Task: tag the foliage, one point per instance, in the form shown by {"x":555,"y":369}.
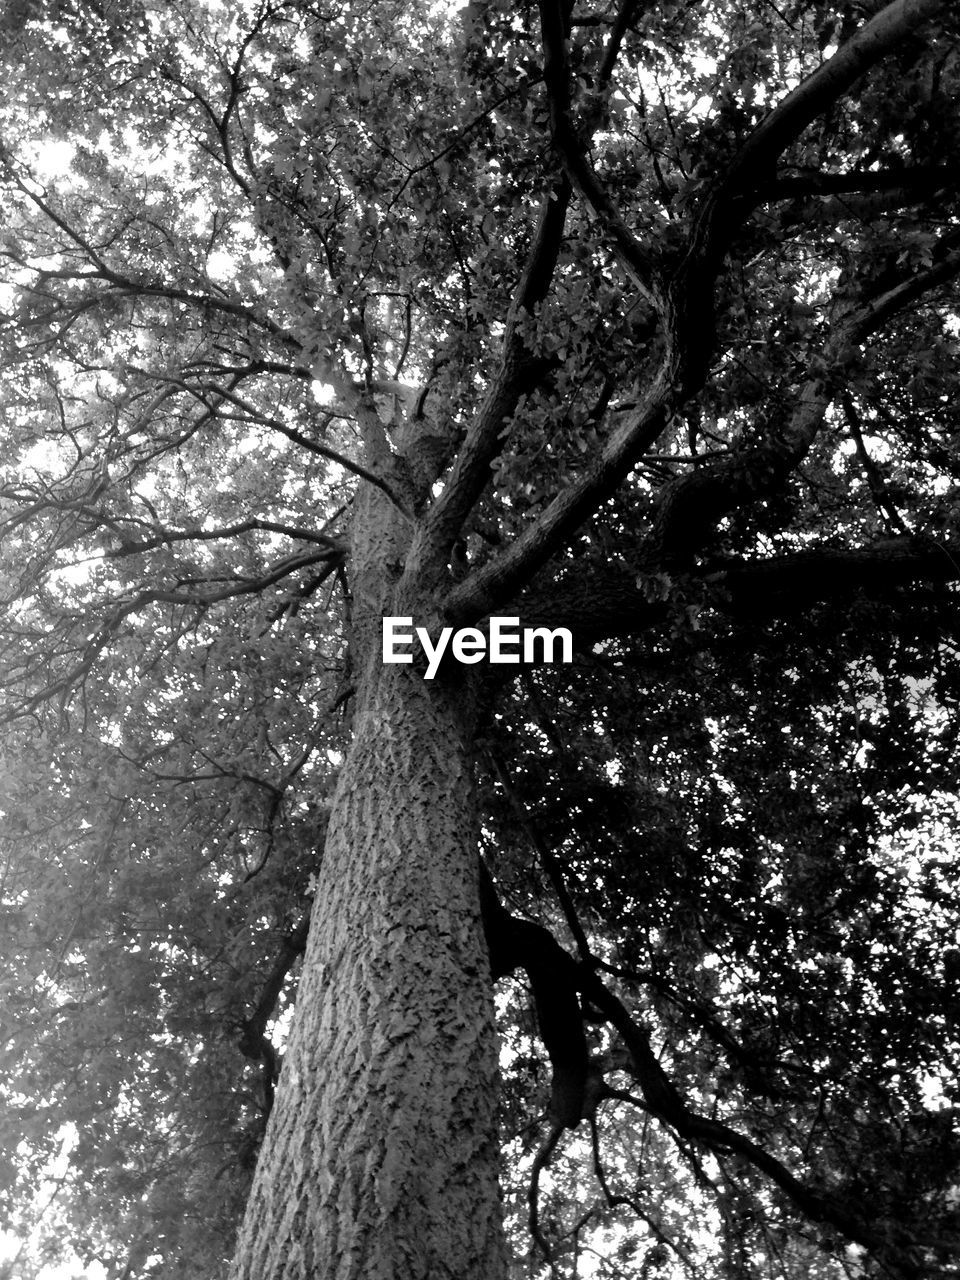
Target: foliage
{"x":681,"y":363}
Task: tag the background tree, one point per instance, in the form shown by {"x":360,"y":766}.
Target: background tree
{"x":638,"y":320}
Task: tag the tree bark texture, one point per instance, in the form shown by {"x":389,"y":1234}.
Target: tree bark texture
{"x":381,"y":1156}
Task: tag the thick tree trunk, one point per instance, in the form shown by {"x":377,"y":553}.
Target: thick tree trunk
{"x":380,"y":1159}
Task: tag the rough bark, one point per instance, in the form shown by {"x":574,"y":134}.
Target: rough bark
{"x":380,"y":1159}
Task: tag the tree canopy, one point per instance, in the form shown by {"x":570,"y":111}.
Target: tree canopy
{"x":639,"y":319}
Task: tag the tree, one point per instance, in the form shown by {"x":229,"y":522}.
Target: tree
{"x":636,"y":320}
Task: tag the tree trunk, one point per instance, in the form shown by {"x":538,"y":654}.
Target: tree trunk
{"x":380,"y":1159}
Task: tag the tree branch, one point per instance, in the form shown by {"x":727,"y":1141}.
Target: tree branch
{"x":610,"y":602}
{"x":470,"y":473}
{"x":554,"y":27}
{"x":687,"y":308}
{"x":515,"y":942}
{"x":665,"y":1102}
{"x":919,"y":180}
{"x":790,"y":582}
{"x":814,"y":95}
{"x":501,"y":578}
{"x":254,"y":1042}
{"x":93,"y":645}
{"x":691,"y":506}
{"x":314,"y":446}
{"x":741,"y":187}
{"x":169,"y":536}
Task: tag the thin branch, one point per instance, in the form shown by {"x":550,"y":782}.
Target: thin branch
{"x":547,"y":859}
{"x":122,"y":284}
{"x":541,"y":1160}
{"x":945,"y":267}
{"x":314,"y":446}
{"x":170,"y":536}
{"x":665,"y":1101}
{"x":471,"y":470}
{"x":570,"y":144}
{"x":691,"y":506}
{"x":613,"y":1200}
{"x":878,"y":488}
{"x":123,"y":608}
